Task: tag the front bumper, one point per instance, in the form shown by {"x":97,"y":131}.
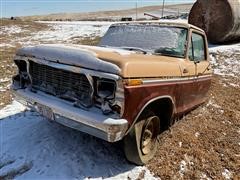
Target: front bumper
{"x":92,"y":122}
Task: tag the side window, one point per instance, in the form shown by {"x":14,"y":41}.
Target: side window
{"x":197,"y":48}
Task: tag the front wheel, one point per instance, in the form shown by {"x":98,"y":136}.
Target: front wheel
{"x":140,"y":144}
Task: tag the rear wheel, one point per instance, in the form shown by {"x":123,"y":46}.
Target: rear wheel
{"x":140,"y":144}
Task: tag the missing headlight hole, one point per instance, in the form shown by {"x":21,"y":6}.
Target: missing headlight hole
{"x":106,"y":88}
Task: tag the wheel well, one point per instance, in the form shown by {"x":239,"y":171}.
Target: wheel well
{"x":163,"y":108}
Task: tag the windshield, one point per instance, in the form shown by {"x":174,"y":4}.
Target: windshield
{"x":163,"y":40}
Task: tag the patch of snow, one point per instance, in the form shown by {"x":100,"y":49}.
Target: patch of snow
{"x":184,"y":164}
{"x":58,"y":32}
{"x":2,"y":89}
{"x":66,"y":31}
{"x":111,"y":49}
{"x":6,"y":45}
{"x":221,"y":111}
{"x":13,"y":29}
{"x":36,"y":148}
{"x":197,"y":134}
{"x":11,"y":109}
{"x":213,"y":59}
{"x":3,"y":80}
{"x":220,"y":48}
{"x":180,"y":144}
{"x":226,"y":174}
{"x":70,"y":55}
{"x":204,"y":177}
{"x":229,"y":122}
{"x":234,"y":85}
{"x":182,"y":167}
{"x":134,"y":174}
{"x":210,"y":103}
{"x":5,"y":88}
{"x":225,"y":60}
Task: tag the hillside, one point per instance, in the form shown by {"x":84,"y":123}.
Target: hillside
{"x":114,"y":14}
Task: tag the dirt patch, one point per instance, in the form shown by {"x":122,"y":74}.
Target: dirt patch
{"x":7,"y":70}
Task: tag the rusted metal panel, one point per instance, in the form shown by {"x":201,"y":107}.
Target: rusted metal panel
{"x":219,"y":18}
{"x":185,"y":95}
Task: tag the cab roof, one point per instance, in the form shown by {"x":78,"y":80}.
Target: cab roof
{"x":161,"y":23}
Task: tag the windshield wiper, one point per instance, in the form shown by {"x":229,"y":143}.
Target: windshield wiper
{"x":135,"y":49}
{"x":165,"y":54}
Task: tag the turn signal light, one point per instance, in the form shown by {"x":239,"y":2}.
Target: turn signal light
{"x":134,"y":82}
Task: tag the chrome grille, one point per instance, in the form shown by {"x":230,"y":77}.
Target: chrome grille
{"x":67,"y":85}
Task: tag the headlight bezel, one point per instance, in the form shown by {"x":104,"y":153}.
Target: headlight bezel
{"x":115,"y":100}
{"x":106,"y":88}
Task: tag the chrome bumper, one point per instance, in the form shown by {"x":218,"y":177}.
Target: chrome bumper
{"x":92,"y":122}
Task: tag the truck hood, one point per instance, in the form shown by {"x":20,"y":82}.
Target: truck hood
{"x":111,"y":60}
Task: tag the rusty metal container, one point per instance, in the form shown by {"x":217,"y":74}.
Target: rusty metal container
{"x":219,"y":18}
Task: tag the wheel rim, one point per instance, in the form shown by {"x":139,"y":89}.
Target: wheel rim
{"x":149,"y":135}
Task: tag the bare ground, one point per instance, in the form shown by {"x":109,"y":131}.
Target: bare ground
{"x":204,"y":144}
{"x":7,"y":69}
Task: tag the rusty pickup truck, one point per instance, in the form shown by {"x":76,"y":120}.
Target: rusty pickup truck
{"x":130,"y":87}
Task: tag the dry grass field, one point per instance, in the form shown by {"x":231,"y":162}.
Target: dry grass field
{"x":7,"y":68}
{"x":204,"y":144}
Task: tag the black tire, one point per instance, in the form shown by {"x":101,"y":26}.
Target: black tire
{"x":140,"y":144}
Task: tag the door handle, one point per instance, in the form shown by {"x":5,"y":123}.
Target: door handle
{"x":185,"y":70}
